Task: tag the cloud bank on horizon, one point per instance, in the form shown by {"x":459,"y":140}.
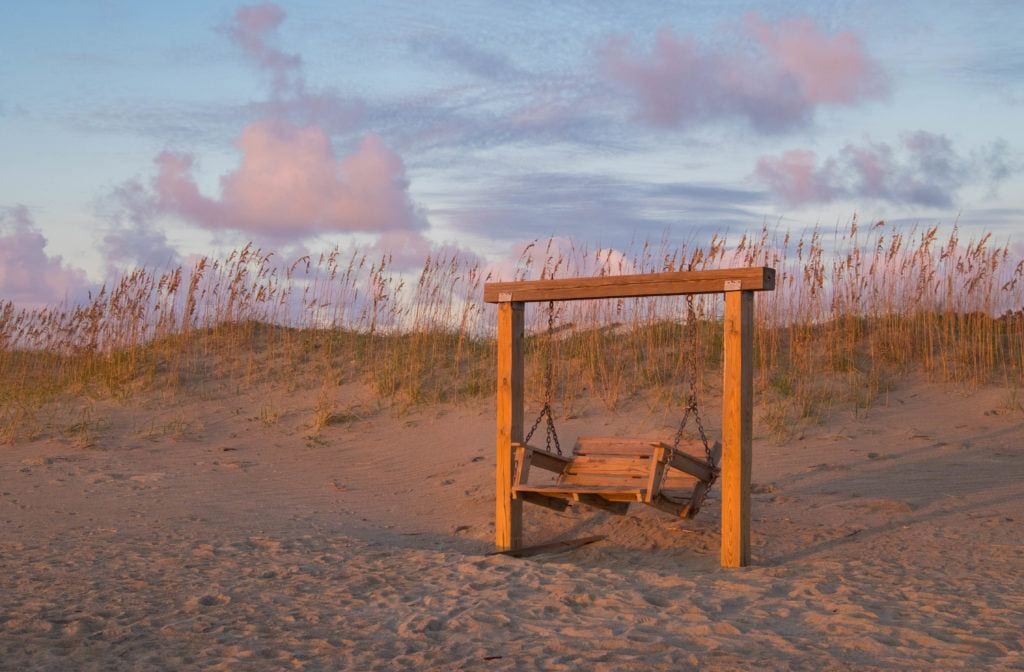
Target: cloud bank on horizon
{"x":438,"y":132}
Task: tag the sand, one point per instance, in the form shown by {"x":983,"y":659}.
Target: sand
{"x":217,"y":534}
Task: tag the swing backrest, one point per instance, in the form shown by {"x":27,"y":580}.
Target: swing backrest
{"x":617,"y":461}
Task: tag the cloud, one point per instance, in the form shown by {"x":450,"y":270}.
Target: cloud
{"x":251,"y":28}
{"x":290,"y":184}
{"x":29,"y":277}
{"x":922,"y":169}
{"x":132,"y":238}
{"x":454,"y":50}
{"x":610,"y":210}
{"x":775,"y":80}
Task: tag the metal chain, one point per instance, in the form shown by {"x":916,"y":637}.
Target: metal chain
{"x":549,"y":384}
{"x":691,"y":402}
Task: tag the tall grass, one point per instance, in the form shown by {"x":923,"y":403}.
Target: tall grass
{"x":855,"y":308}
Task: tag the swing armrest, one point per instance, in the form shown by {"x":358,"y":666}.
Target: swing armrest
{"x":659,"y":460}
{"x":540,"y":458}
{"x":691,"y":465}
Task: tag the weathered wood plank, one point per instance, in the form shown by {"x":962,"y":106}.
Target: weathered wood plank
{"x":678,"y":480}
{"x":696,"y":467}
{"x":737,"y":427}
{"x":545,"y":460}
{"x":508,"y":511}
{"x":622,"y":286}
{"x":614,"y":445}
{"x":568,"y":488}
{"x":523,"y":458}
{"x":697,"y":498}
{"x":657,"y":475}
{"x":609,"y":480}
{"x":609,"y":463}
{"x":550,"y":547}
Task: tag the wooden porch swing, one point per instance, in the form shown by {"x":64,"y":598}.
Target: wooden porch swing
{"x":611,"y":472}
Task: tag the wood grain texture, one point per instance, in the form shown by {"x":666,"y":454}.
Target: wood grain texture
{"x":508,"y":511}
{"x":542,"y":459}
{"x":760,"y":278}
{"x":737,"y":427}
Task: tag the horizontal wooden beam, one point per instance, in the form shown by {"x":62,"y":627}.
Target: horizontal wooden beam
{"x":759,"y":278}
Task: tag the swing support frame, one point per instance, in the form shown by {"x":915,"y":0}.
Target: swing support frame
{"x":738,"y":285}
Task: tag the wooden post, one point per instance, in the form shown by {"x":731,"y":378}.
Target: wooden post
{"x":737,"y":427}
{"x":508,"y":512}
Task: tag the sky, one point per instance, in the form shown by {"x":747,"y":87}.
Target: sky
{"x":143,"y":133}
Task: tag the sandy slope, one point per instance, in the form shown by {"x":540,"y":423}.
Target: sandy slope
{"x":216,"y":535}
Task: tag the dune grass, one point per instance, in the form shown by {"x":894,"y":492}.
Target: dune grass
{"x":855,"y":309}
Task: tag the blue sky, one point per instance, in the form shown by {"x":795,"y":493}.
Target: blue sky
{"x":146,"y":132}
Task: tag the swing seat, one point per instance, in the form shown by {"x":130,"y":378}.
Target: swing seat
{"x":613,"y":472}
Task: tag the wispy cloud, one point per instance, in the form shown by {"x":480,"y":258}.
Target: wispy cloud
{"x":252,"y":29}
{"x":456,"y":51}
{"x":774,"y":80}
{"x":599,"y":208}
{"x":921,"y":169}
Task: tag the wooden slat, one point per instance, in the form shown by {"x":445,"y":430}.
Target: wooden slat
{"x":658,"y":463}
{"x":697,"y":498}
{"x":737,"y":427}
{"x":609,"y":464}
{"x":570,"y":490}
{"x":523,"y":458}
{"x":614,"y":445}
{"x":553,"y":503}
{"x":545,"y":460}
{"x":508,"y":512}
{"x":610,"y":480}
{"x":621,"y":286}
{"x":551,"y":547}
{"x":678,"y":480}
{"x":696,"y":467}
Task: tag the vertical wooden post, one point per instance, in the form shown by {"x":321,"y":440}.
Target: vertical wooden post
{"x":737,"y":427}
{"x":508,"y":512}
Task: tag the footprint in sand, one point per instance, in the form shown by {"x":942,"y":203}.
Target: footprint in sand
{"x":207,"y":601}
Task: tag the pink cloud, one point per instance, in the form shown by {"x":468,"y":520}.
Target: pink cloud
{"x":829,"y":69}
{"x":405,"y":249}
{"x":252,"y":28}
{"x":921,"y":169}
{"x":290,"y":183}
{"x":29,"y":277}
{"x":776,"y":81}
{"x":795,"y":177}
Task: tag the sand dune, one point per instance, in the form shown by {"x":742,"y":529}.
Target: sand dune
{"x":208,"y":537}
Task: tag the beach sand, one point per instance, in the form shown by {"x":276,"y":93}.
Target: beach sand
{"x":219,"y":534}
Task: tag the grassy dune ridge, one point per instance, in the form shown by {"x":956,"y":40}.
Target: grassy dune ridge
{"x":855,"y":308}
